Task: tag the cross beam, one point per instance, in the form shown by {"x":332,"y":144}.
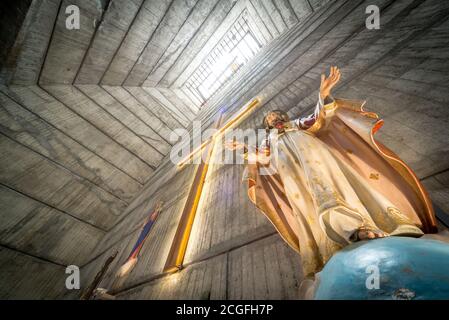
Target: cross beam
{"x":178,"y":248}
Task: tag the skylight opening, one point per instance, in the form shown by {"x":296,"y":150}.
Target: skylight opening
{"x":233,"y":51}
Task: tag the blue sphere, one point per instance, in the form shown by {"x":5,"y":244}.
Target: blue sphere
{"x":389,"y":268}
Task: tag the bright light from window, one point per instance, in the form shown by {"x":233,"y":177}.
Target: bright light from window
{"x":233,"y":51}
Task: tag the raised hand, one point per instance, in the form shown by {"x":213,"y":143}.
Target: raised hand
{"x":328,"y":83}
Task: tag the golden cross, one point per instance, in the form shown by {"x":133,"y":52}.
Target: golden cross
{"x":178,"y":248}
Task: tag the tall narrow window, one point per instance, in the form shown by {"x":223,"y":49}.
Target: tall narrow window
{"x":234,"y":50}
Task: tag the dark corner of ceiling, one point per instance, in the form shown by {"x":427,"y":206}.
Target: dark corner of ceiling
{"x":12,"y":15}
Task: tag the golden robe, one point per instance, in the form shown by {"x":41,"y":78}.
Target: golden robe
{"x":333,"y":177}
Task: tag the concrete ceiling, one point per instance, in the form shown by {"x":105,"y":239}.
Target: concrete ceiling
{"x":85,"y":118}
{"x":87,"y":114}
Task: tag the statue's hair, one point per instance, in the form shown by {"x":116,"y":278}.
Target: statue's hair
{"x":280,"y":113}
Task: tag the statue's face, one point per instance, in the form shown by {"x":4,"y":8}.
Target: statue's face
{"x":275,"y":120}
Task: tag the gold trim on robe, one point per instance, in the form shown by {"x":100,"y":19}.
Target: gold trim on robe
{"x":347,"y":131}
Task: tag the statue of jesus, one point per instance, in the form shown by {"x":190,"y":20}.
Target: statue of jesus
{"x":334,"y":184}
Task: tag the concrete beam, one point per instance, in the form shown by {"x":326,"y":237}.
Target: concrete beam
{"x":107,"y":40}
{"x":33,"y":175}
{"x":30,"y":226}
{"x":140,"y":32}
{"x":68,"y":47}
{"x":24,"y":126}
{"x":179,"y":43}
{"x":24,"y":65}
{"x":165,"y":103}
{"x":107,"y":123}
{"x":170,"y":25}
{"x":81,"y":130}
{"x":26,"y":277}
{"x":144,"y":110}
{"x":127,"y":118}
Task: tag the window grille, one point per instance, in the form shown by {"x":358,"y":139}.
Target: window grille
{"x":234,"y":50}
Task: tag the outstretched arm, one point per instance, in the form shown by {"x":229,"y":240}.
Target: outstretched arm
{"x":252,"y":154}
{"x":324,"y":98}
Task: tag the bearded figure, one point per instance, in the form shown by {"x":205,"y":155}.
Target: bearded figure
{"x":324,"y":181}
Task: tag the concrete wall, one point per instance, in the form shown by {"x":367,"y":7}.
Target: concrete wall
{"x":233,"y":251}
{"x":84,"y":145}
{"x":86,"y":117}
{"x":11,"y":19}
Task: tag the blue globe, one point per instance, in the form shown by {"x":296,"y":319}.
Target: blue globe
{"x":388,"y":268}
